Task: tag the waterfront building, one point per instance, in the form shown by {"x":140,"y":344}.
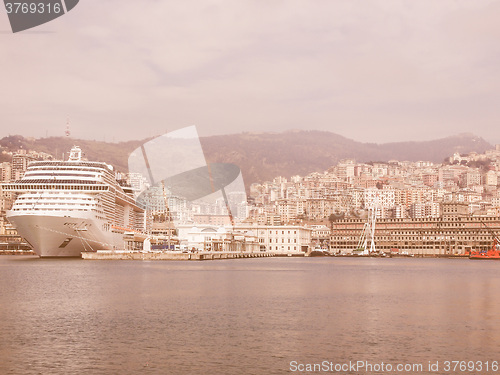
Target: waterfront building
{"x":212,"y":238}
{"x":320,"y":236}
{"x":453,"y":233}
{"x":10,"y":240}
{"x":292,"y":239}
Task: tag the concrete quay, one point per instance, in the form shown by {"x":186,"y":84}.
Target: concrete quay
{"x":170,"y":255}
{"x":17,"y":252}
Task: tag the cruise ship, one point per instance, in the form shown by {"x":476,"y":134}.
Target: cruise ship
{"x":66,"y":207}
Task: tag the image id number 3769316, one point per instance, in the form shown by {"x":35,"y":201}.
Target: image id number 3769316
{"x":33,"y":7}
{"x":470,"y":366}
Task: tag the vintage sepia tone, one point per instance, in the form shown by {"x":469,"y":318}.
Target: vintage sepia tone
{"x":249,"y":187}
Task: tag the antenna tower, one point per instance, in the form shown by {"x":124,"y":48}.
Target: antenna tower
{"x":67,"y":132}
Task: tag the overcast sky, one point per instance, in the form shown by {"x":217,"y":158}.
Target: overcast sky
{"x":375,"y":71}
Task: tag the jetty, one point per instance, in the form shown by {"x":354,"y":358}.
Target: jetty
{"x":171,"y":255}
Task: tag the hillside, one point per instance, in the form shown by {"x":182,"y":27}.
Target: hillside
{"x":267,"y":155}
{"x":264,"y":156}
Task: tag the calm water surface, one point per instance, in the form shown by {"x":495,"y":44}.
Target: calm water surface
{"x":246,"y":316}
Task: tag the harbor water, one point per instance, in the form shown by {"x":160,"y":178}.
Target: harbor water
{"x":244,"y":316}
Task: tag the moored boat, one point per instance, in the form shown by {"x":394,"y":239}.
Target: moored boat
{"x":66,"y":207}
{"x":493,"y":253}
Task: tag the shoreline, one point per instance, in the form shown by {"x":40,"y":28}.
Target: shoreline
{"x":201,"y":256}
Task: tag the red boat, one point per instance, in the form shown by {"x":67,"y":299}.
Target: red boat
{"x":493,"y":253}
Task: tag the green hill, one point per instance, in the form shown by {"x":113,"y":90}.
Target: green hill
{"x":264,"y":156}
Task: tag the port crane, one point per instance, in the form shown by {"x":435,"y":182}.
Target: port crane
{"x":493,"y":234}
{"x":167,"y":214}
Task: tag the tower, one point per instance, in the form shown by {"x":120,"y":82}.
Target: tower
{"x":67,"y":132}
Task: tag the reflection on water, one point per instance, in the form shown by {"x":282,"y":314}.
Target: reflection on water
{"x":248,"y":316}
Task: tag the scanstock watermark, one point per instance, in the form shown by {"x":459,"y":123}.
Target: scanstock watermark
{"x":26,"y":14}
{"x":359,"y":367}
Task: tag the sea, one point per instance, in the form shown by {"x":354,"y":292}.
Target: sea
{"x":249,"y":316}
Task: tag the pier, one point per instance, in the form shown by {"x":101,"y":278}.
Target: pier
{"x":170,"y":255}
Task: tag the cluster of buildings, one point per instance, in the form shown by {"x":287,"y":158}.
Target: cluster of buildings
{"x":398,"y":189}
{"x":420,"y":208}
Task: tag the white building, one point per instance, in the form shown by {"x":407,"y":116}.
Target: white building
{"x":491,"y":178}
{"x":380,"y":198}
{"x":280,"y":238}
{"x":211,"y":238}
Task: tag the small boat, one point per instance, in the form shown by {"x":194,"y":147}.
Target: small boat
{"x":319,"y":252}
{"x":492,"y":253}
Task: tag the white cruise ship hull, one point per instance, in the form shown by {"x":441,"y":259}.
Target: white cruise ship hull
{"x":63,"y":208}
{"x":64,"y":236}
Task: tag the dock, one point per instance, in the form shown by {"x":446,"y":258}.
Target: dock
{"x":170,"y":255}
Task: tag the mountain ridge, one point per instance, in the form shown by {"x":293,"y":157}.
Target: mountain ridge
{"x":263,"y":156}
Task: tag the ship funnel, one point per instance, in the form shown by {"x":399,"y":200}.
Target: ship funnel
{"x":75,"y":154}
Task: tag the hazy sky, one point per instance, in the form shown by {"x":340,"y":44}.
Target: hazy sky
{"x":369,"y":70}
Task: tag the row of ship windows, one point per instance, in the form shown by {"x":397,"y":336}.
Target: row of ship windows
{"x":35,"y":197}
{"x":62,"y":193}
{"x":62,"y":165}
{"x":47,"y":209}
{"x":53,"y":204}
{"x":48,"y":175}
{"x":35,"y":188}
{"x":38,"y":167}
